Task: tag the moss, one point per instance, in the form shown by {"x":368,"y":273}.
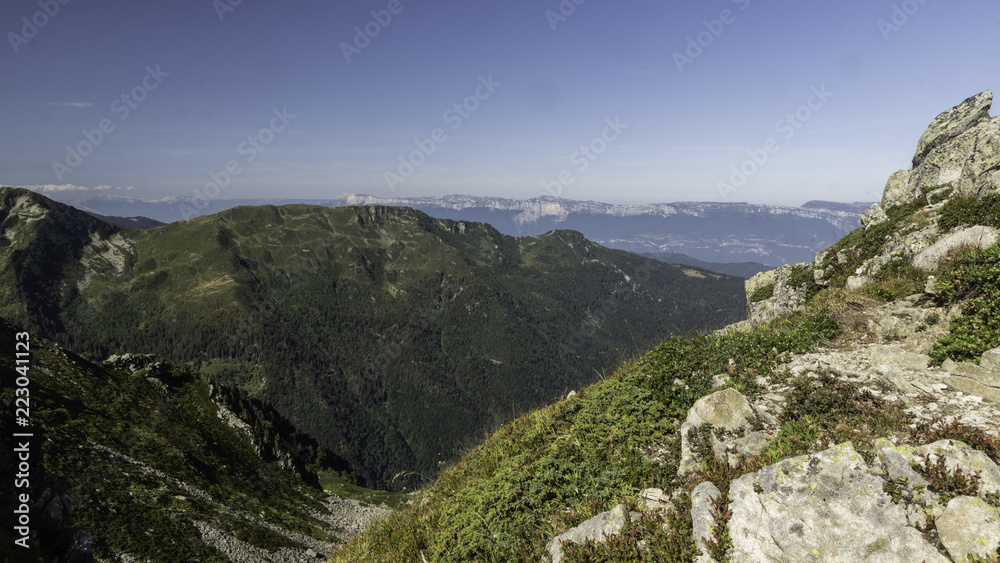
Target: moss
{"x":762,"y":293}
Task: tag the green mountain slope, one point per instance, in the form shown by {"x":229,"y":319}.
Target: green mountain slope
{"x":859,"y":357}
{"x":391,"y":337}
{"x":142,"y":461}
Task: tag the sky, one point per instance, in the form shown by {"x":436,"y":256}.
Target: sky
{"x":625,"y":101}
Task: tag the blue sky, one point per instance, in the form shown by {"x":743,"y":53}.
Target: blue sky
{"x":601,"y":100}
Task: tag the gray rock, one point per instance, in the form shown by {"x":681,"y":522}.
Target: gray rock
{"x":785,"y":297}
{"x":822,"y":507}
{"x":727,"y":409}
{"x":954,"y":122}
{"x":957,"y":455}
{"x":701,"y":513}
{"x":873,"y":216}
{"x":898,"y":190}
{"x":655,"y":500}
{"x":892,"y":356}
{"x":895,"y":377}
{"x":990,"y":360}
{"x":969,"y":526}
{"x":857,"y":282}
{"x":932,"y":257}
{"x":930,"y":288}
{"x":965,"y":369}
{"x":974,"y":387}
{"x":597,"y":529}
{"x":897,"y":460}
{"x":752,"y":445}
{"x":689,"y":462}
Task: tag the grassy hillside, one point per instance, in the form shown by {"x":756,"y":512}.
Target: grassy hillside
{"x":391,"y":337}
{"x":559,"y":465}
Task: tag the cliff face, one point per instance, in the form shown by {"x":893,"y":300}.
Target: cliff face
{"x":854,"y":417}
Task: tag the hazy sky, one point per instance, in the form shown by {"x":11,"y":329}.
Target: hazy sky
{"x":617,"y":101}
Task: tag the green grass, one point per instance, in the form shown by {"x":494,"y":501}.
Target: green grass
{"x":972,"y":278}
{"x":762,"y":293}
{"x":971,"y":211}
{"x":334,"y":483}
{"x":557,"y":466}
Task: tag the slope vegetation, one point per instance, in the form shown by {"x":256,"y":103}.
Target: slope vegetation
{"x":140,"y":457}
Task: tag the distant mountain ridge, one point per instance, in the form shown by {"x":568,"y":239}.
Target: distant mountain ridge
{"x":711,"y":231}
{"x":708,"y":231}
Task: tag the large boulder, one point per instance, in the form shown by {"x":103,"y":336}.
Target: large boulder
{"x":821,"y":507}
{"x":952,"y":123}
{"x":960,"y":148}
{"x":969,"y":526}
{"x":932,"y":258}
{"x":727,"y":409}
{"x":898,"y":190}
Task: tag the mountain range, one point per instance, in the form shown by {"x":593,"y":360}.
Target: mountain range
{"x":710,"y":232}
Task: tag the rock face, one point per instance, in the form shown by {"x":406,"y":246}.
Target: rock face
{"x":784,"y":297}
{"x":823,"y":507}
{"x":961,"y":147}
{"x":969,"y":526}
{"x":953,"y":123}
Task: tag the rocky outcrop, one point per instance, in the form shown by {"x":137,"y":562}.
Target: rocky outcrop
{"x":961,"y":147}
{"x":828,"y":506}
{"x":953,"y":123}
{"x":772,"y":295}
{"x":722,"y":412}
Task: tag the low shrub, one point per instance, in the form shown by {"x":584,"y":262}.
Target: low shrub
{"x":975,"y":278}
